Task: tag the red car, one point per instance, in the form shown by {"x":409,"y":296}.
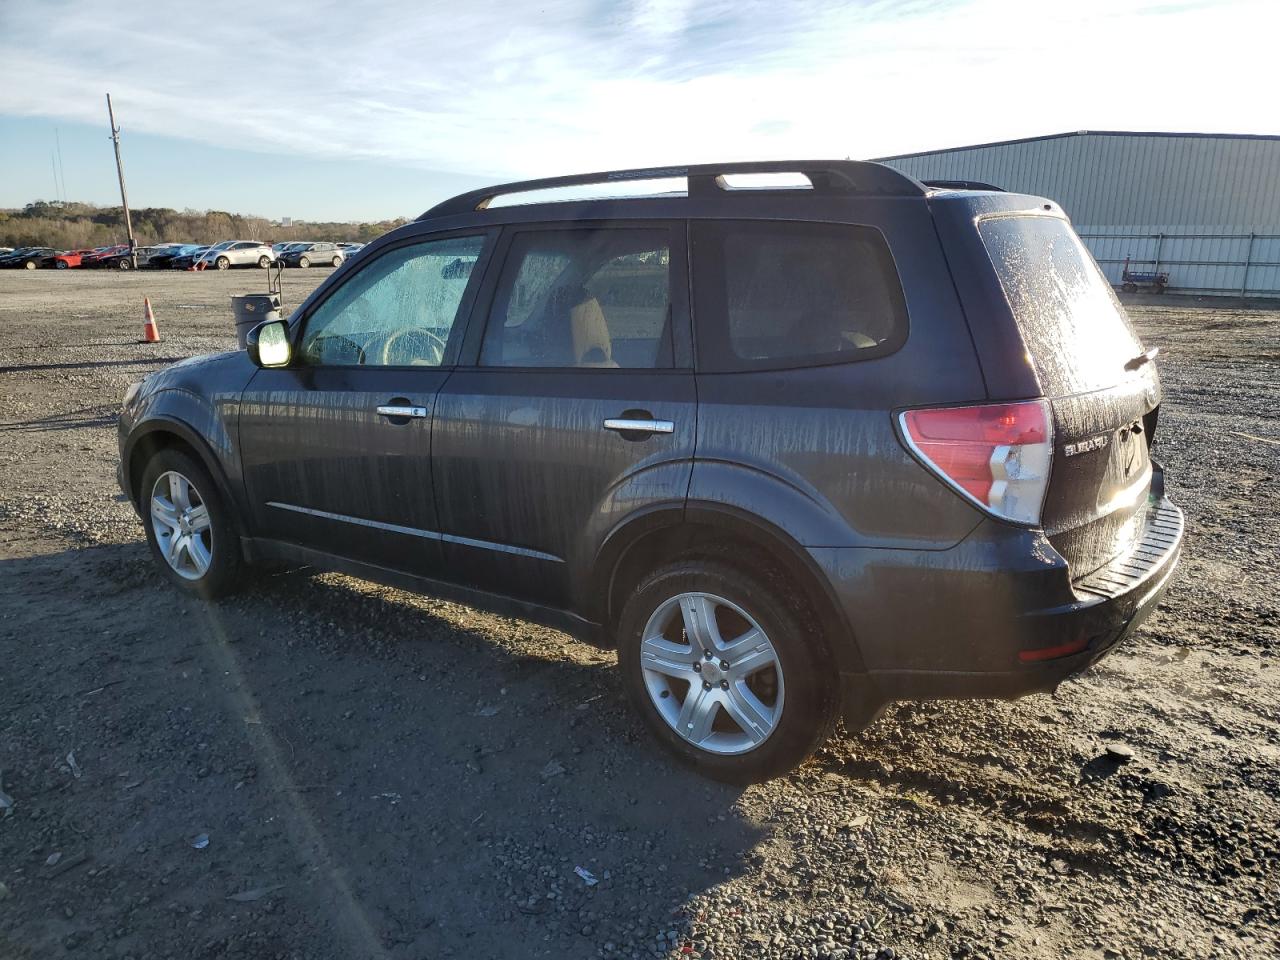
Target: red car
{"x":68,"y":259}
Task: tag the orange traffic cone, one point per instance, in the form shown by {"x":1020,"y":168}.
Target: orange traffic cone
{"x":150,"y":332}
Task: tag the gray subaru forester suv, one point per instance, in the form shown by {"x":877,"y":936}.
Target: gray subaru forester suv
{"x":798,"y":439}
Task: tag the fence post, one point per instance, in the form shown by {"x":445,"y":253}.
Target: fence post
{"x":1248,"y":259}
{"x":1159,"y":247}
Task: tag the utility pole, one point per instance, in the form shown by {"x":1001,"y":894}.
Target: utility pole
{"x":124,"y":197}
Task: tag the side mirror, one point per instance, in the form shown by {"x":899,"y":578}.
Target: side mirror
{"x":268,"y":344}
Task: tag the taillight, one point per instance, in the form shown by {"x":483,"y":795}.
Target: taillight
{"x":997,"y":455}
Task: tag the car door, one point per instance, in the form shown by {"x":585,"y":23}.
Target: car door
{"x":337,"y":446}
{"x":575,"y":408}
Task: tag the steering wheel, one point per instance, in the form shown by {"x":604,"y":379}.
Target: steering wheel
{"x":427,"y":348}
{"x":318,"y":351}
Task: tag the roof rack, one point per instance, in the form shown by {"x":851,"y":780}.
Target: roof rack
{"x":828,"y":177}
{"x":961,"y":185}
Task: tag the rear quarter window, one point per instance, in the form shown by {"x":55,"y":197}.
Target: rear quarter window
{"x":778,"y":295}
{"x":1077,"y":335}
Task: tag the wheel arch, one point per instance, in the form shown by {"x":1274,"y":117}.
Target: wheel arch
{"x":731,"y":536}
{"x":162,"y":432}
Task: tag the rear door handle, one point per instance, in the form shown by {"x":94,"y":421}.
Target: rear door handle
{"x":396,"y":410}
{"x":627,"y":425}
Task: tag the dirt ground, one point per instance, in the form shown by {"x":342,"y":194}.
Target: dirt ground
{"x":323,"y":768}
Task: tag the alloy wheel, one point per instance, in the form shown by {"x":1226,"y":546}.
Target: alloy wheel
{"x":180,"y":522}
{"x":712,"y":673}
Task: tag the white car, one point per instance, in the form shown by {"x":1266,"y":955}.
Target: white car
{"x":239,"y":253}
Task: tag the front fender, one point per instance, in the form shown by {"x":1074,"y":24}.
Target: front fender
{"x":197,"y":401}
{"x":216,"y":456}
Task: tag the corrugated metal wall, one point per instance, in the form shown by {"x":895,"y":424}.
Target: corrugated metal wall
{"x":1204,"y":209}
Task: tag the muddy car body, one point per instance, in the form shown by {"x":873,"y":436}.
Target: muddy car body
{"x":797,"y":451}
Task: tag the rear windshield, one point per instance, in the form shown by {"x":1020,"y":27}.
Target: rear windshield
{"x":1075,"y":330}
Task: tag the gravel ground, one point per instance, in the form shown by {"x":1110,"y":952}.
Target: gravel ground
{"x":324,"y":768}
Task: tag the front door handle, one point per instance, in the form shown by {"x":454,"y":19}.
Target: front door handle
{"x":637,"y":425}
{"x":396,"y":410}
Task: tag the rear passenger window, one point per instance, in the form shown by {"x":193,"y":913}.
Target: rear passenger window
{"x":773,"y":295}
{"x":583,"y":298}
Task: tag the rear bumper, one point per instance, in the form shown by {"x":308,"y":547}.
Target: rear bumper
{"x":997,"y":616}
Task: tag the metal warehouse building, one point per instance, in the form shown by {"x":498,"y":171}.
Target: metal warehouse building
{"x":1204,"y":208}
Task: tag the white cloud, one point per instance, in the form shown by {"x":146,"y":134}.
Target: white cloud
{"x":565,"y":85}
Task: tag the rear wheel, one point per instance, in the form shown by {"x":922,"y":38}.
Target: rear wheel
{"x":189,"y":528}
{"x":727,"y":674}
{"x":304,"y":262}
{"x":62,"y":264}
{"x":222,"y":263}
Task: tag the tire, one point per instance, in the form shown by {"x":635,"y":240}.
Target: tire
{"x":304,"y":262}
{"x":61,"y":264}
{"x":222,"y":263}
{"x":29,"y":265}
{"x":337,"y":262}
{"x":221,"y":571}
{"x":794,"y":697}
{"x":124,"y":264}
{"x":264,"y":262}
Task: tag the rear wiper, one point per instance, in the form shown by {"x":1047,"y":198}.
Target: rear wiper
{"x":1142,"y":358}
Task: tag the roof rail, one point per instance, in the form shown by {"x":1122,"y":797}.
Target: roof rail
{"x":961,"y":185}
{"x":828,"y":177}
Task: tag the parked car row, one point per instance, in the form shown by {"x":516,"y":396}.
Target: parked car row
{"x":184,"y":256}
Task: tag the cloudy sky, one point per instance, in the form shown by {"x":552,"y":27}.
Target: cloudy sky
{"x":364,"y":110}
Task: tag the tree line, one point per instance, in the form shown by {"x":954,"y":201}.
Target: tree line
{"x":67,"y":225}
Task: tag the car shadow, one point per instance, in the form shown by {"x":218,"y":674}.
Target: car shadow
{"x":100,"y":416}
{"x":90,"y":364}
{"x":401,"y":776}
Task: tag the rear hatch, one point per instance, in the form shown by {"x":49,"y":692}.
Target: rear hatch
{"x":1102,"y":387}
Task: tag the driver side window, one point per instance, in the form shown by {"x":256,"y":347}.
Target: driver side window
{"x":397,"y":311}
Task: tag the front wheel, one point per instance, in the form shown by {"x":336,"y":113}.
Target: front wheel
{"x":62,"y":265}
{"x":304,"y":262}
{"x":125,"y":264}
{"x":222,"y":263}
{"x":189,"y":528}
{"x":30,"y":265}
{"x":730,"y":676}
{"x":337,"y":262}
{"x":264,"y":262}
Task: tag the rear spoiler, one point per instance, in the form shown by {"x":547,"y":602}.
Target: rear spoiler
{"x":961,"y":185}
